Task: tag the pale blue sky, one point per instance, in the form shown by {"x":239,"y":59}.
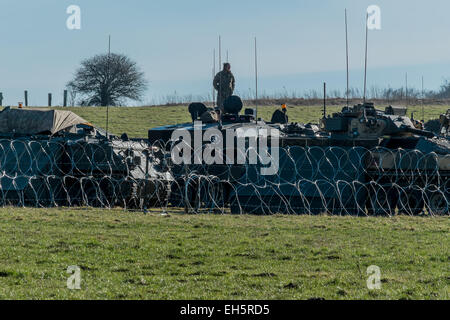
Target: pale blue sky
{"x":301,"y":43}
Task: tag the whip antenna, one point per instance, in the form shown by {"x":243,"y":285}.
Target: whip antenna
{"x":107,"y":98}
{"x":220,"y":53}
{"x":423,"y":108}
{"x":324,"y":100}
{"x":256,"y":82}
{"x":220,"y":68}
{"x":365,"y":63}
{"x":214,"y":75}
{"x":406,"y":87}
{"x":346,"y":54}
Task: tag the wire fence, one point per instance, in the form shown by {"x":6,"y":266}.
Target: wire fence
{"x":309,"y":180}
{"x":334,"y":180}
{"x":78,"y":173}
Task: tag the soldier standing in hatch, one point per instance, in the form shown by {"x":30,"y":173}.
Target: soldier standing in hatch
{"x":224,"y":84}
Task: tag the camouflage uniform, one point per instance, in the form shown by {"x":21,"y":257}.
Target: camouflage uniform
{"x":224,"y":84}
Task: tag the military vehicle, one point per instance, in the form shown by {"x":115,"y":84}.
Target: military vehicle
{"x":198,"y":185}
{"x":358,"y":161}
{"x":401,"y":167}
{"x":56,"y":158}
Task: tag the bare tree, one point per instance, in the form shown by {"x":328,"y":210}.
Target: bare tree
{"x":108,"y":79}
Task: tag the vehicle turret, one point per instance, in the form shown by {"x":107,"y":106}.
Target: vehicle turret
{"x":364,"y":122}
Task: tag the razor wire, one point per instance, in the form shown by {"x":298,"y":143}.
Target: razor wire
{"x":309,"y":180}
{"x":45,"y":173}
{"x":317,"y":180}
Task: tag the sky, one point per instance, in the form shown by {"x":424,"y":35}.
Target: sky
{"x":301,"y":44}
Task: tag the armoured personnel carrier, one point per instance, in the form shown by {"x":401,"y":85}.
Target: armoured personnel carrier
{"x":358,"y":161}
{"x":399,"y":168}
{"x":56,"y":158}
{"x":200,"y":185}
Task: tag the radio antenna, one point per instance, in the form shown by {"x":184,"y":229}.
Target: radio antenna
{"x":346,"y":54}
{"x":256,"y":82}
{"x":214,"y":75}
{"x":220,"y":53}
{"x":107,"y":99}
{"x":423,"y":108}
{"x":220,"y":68}
{"x":324,"y":100}
{"x":406,"y":88}
{"x":365,"y":62}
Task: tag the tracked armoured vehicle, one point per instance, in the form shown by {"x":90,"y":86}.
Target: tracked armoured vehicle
{"x":358,"y":161}
{"x":396,"y":166}
{"x":214,"y":185}
{"x":56,"y":158}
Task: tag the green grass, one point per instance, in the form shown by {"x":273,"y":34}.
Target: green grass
{"x":129,"y":255}
{"x":137,"y":120}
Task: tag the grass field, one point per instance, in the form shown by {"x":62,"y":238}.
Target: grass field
{"x":129,"y":255}
{"x":137,"y":120}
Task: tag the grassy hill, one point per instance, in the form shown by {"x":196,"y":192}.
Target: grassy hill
{"x":137,"y":120}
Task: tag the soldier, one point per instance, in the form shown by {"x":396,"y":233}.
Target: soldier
{"x":224,"y":84}
{"x":445,"y":123}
